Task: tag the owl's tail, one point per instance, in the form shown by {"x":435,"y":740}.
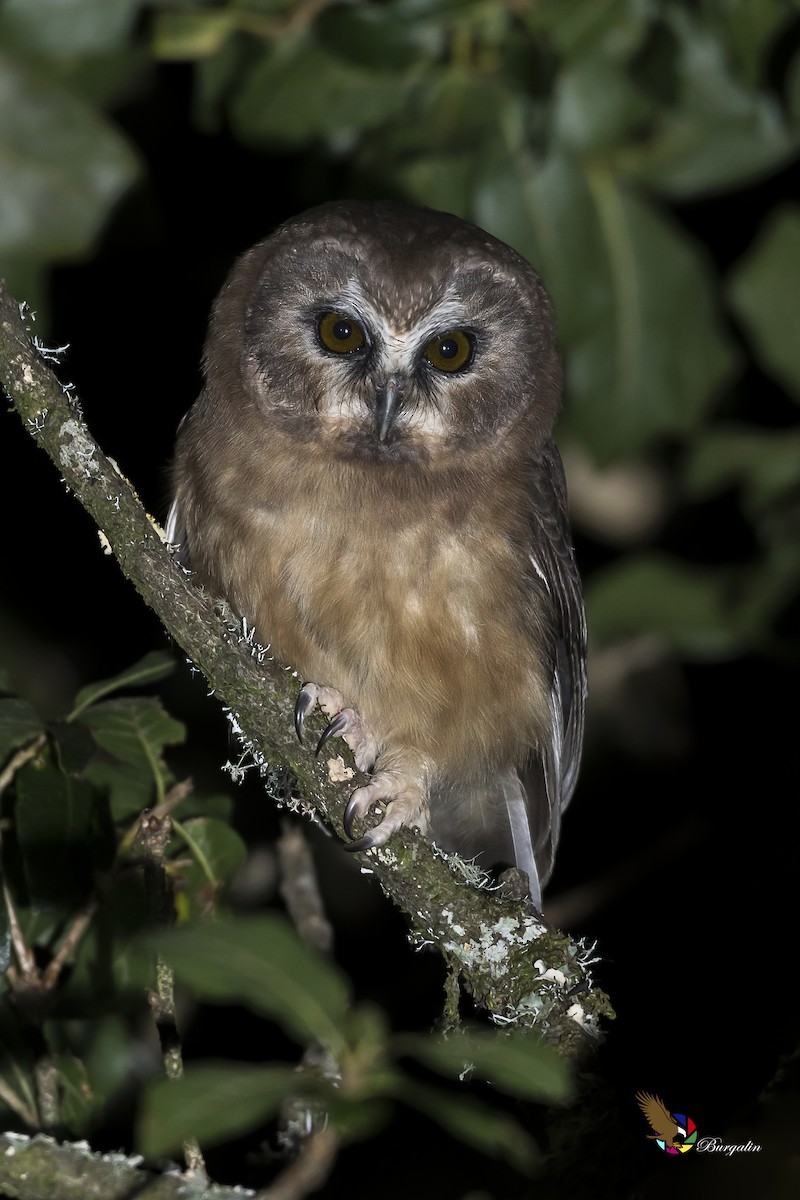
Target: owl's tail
{"x":497,"y":822}
{"x":516,"y":800}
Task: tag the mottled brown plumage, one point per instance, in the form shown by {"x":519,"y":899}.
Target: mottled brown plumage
{"x":368,"y":477}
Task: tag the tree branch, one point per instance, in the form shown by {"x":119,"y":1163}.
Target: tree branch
{"x":507,"y":958}
{"x":39,"y":1168}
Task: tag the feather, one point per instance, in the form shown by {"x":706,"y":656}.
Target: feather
{"x":554,"y":568}
{"x":516,"y":801}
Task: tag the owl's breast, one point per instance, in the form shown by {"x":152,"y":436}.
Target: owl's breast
{"x":425,"y":622}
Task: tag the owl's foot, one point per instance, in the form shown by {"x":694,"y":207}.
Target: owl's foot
{"x":345,"y":722}
{"x":406,"y":801}
{"x":401,"y":790}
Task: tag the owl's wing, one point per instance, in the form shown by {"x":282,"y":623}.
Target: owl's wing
{"x":553,"y":563}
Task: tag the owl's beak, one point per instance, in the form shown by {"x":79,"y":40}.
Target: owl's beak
{"x":387,"y":405}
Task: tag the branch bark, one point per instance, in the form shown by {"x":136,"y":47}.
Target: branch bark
{"x":39,"y":1168}
{"x":507,"y":958}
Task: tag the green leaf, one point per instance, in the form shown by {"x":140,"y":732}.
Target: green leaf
{"x":356,"y":1120}
{"x":451,"y":112}
{"x":110,"y":1055}
{"x":63,"y":166}
{"x":214,"y":852}
{"x":628,"y":289}
{"x":221,"y":847}
{"x":19,"y":724}
{"x":687,"y":606}
{"x":199,"y":804}
{"x":763,"y":292}
{"x":129,"y":790}
{"x":212,"y":1102}
{"x":106,"y":81}
{"x":765,"y":464}
{"x":186,"y":36}
{"x":749,"y":29}
{"x":442,"y":181}
{"x":793,"y":90}
{"x":719,"y":132}
{"x":380,"y":38}
{"x":77,"y":1101}
{"x":476,"y":1124}
{"x":67,"y":28}
{"x":770,"y":588}
{"x":64,"y":833}
{"x":134,"y":732}
{"x":597,"y":107}
{"x":626,"y":383}
{"x":261,"y":962}
{"x":516,"y":1063}
{"x":585,"y":27}
{"x":300,"y":92}
{"x":112,"y":959}
{"x":5,"y":941}
{"x":155,"y":665}
{"x":74,"y":746}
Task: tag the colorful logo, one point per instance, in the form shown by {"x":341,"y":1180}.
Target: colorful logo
{"x":674,"y":1133}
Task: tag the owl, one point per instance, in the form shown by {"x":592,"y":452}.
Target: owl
{"x":368,"y":477}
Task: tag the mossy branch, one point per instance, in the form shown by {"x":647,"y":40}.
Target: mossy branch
{"x":39,"y":1168}
{"x":506,"y":957}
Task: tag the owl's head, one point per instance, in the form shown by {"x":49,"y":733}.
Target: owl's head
{"x":393,"y":332}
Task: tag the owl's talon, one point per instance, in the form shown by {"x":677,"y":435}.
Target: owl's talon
{"x":344,"y":722}
{"x":364,"y":843}
{"x":403,"y":798}
{"x":350,"y":814}
{"x":334,"y":728}
{"x":303,"y":706}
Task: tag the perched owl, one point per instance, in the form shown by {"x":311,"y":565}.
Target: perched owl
{"x":368,"y":477}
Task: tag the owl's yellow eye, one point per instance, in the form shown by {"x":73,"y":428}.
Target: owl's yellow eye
{"x":340,"y":334}
{"x":451,"y":351}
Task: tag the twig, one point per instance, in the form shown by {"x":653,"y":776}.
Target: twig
{"x":153,"y":839}
{"x":301,"y":1123}
{"x":77,"y":929}
{"x":46,"y":1075}
{"x":27,"y":974}
{"x":309,"y":1170}
{"x":175,"y":796}
{"x":300,"y":889}
{"x":19,"y":760}
{"x":18,"y":1105}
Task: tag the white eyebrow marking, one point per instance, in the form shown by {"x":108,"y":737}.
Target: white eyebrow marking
{"x":441,"y":314}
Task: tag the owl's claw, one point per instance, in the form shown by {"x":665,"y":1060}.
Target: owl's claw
{"x":350,"y":813}
{"x":344,"y":722}
{"x":303,"y":706}
{"x":406,"y":802}
{"x":334,"y":728}
{"x":364,"y":843}
{"x":400,"y":787}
